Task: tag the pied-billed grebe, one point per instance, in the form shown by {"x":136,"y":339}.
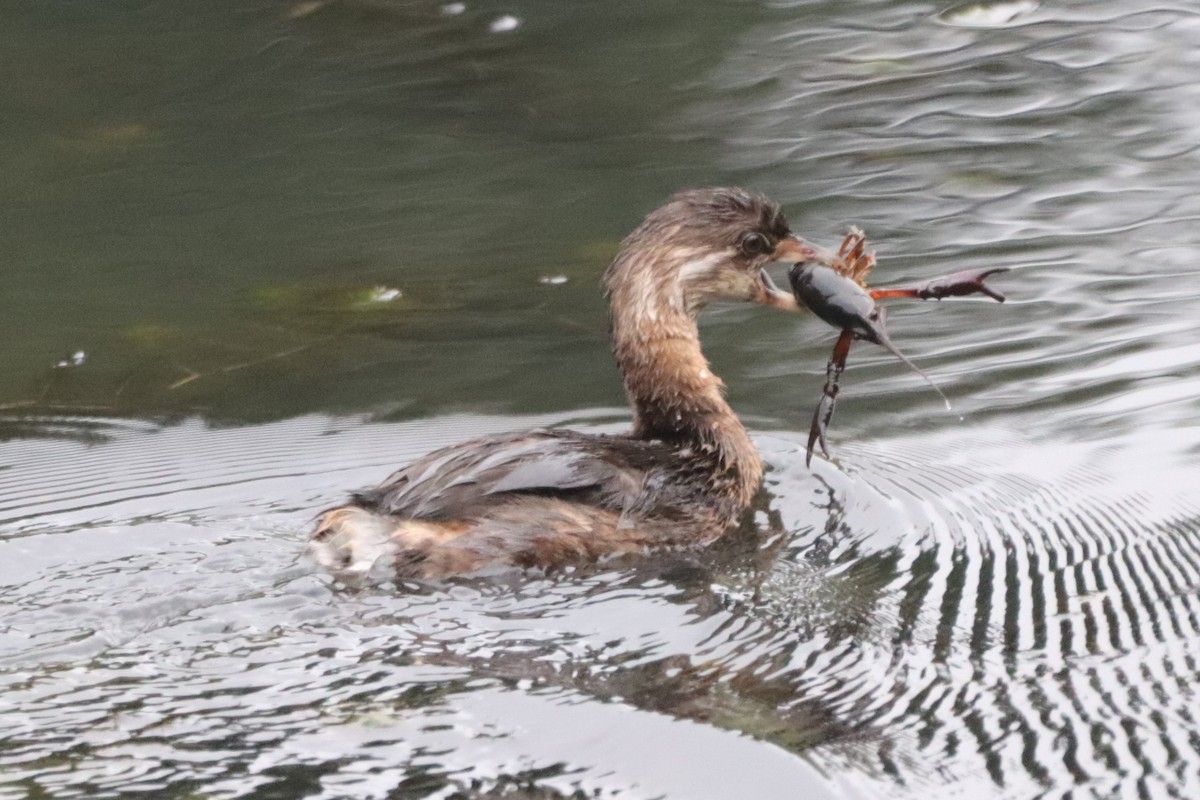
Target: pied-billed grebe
{"x":549,"y":498}
{"x":687,"y":470}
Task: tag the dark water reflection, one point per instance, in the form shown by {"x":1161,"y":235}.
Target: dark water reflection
{"x":215,"y":202}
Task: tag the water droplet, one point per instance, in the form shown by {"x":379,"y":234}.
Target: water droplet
{"x":454,"y":9}
{"x":987,"y":15}
{"x":383,"y":294}
{"x":306,"y":9}
{"x":553,"y":280}
{"x":504,"y":24}
{"x":76,"y":359}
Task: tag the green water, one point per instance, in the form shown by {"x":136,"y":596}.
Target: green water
{"x":192,"y":189}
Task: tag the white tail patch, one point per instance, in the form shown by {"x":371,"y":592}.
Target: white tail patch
{"x":352,"y":539}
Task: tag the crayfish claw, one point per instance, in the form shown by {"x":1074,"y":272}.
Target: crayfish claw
{"x":815,"y":434}
{"x":820,"y":423}
{"x":824,"y":413}
{"x":958,"y":284}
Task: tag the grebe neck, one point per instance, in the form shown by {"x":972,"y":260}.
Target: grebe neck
{"x":675,"y":396}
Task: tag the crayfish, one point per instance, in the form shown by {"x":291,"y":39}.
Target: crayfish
{"x":839,"y":296}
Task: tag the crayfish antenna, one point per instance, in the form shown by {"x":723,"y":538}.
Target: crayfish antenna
{"x":883,"y":341}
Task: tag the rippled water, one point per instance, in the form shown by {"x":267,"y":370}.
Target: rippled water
{"x":214,"y":204}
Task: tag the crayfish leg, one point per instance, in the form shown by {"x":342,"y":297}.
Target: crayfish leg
{"x":824,"y":412}
{"x":854,"y":259}
{"x":959,"y":284}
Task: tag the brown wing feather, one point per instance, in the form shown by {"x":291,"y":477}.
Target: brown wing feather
{"x":467,"y":479}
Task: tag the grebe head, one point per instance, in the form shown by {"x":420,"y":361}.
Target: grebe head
{"x":706,"y":245}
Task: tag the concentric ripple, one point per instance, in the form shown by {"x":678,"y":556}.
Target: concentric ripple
{"x":1031,"y":624}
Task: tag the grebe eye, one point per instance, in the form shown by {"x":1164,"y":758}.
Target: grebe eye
{"x":754,"y":244}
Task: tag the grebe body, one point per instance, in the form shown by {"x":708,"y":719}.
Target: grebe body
{"x":681,"y":477}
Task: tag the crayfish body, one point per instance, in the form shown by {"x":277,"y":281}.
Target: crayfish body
{"x":839,"y":296}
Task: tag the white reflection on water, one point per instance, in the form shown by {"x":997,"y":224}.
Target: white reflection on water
{"x":900,"y":614}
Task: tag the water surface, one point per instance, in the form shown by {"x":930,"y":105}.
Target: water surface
{"x":298,"y":244}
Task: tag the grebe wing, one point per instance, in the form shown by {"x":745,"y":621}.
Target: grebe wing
{"x":465,"y":479}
